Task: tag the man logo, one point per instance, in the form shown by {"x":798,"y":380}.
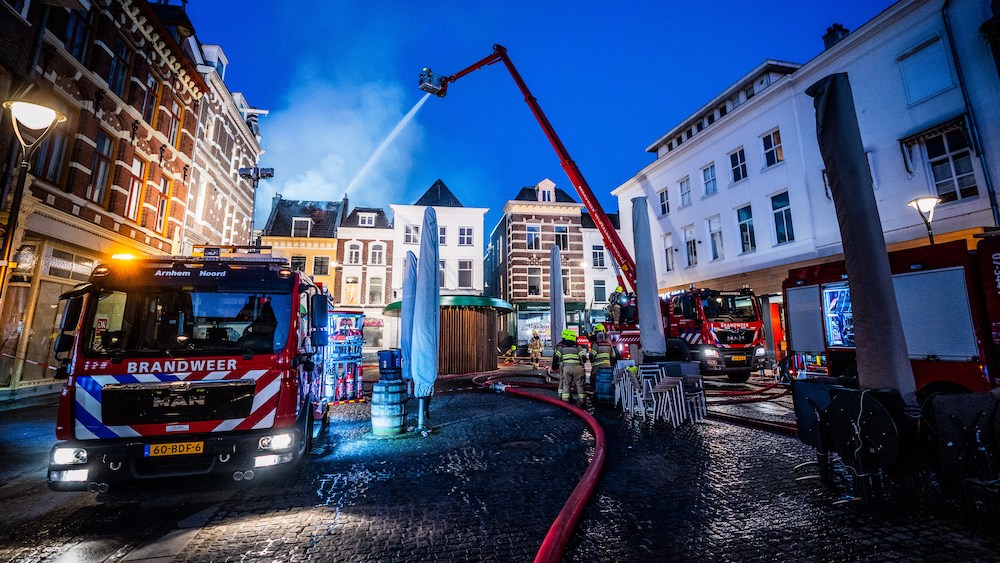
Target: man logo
{"x":175,"y":400}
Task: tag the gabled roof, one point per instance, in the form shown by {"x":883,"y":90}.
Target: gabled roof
{"x":353,"y":219}
{"x":325,"y":216}
{"x":530,"y":193}
{"x":587,"y":222}
{"x":438,"y":195}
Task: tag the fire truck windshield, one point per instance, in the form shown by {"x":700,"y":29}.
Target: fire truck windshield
{"x":721,"y":307}
{"x":144,"y":321}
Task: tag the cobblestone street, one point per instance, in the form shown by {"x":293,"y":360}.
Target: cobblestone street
{"x":486,"y":485}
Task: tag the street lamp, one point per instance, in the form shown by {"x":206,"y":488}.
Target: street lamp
{"x":32,"y":124}
{"x":255,"y":174}
{"x":925,"y":207}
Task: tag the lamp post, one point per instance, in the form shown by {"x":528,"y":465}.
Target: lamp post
{"x":32,"y":124}
{"x":925,"y":207}
{"x":255,"y":174}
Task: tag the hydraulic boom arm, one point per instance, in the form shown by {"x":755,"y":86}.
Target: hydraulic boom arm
{"x":438,"y":85}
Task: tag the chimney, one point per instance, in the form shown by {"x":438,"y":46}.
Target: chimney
{"x":833,"y":35}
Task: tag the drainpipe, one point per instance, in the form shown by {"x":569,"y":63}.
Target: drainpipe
{"x":973,"y":129}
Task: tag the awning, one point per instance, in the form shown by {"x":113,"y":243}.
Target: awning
{"x":393,"y":309}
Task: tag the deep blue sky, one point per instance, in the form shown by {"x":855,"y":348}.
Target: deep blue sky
{"x":339,"y":75}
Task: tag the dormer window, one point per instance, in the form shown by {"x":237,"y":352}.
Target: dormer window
{"x":366,"y":219}
{"x":545,"y":194}
{"x":301,"y":226}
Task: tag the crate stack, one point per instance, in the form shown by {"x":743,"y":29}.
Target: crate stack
{"x":390,"y":364}
{"x":344,"y":372}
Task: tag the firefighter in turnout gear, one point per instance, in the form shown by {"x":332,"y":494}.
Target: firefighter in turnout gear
{"x":615,"y":305}
{"x":603,"y":354}
{"x":535,"y":347}
{"x":568,"y":358}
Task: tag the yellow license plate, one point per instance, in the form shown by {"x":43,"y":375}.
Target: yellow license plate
{"x":176,"y":448}
{"x":739,"y":358}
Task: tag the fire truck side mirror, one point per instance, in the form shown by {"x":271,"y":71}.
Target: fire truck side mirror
{"x":62,"y":372}
{"x":309,"y":365}
{"x":320,"y":337}
{"x":71,"y":315}
{"x":320,"y":313}
{"x":63,"y":343}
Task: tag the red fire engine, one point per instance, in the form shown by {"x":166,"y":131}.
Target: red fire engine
{"x":187,"y":366}
{"x":730,"y":341}
{"x":949,"y":304}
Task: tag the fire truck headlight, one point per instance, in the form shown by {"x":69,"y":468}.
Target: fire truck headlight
{"x":275,"y":442}
{"x":75,"y":475}
{"x":69,"y":456}
{"x":759,"y":351}
{"x":711,"y":353}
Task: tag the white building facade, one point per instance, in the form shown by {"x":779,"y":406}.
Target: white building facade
{"x":737,"y":193}
{"x":460,"y":235}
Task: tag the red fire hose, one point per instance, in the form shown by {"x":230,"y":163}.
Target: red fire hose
{"x":562,"y":527}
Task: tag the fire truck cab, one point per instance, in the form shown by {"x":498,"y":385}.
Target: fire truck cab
{"x":722,"y":329}
{"x":186,"y":365}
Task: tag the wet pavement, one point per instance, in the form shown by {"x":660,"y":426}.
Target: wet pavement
{"x":485,"y":486}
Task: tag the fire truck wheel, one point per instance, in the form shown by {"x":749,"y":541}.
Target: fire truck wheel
{"x":738,"y":376}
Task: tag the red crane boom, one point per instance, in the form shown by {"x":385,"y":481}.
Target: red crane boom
{"x":438,"y":85}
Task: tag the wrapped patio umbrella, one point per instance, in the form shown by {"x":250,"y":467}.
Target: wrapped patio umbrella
{"x":557,"y":306}
{"x":426,"y":316}
{"x":406,"y":313}
{"x":651,"y":337}
{"x":882,"y":357}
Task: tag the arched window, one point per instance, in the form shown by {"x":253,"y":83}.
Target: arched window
{"x":354,"y":253}
{"x":376,"y":254}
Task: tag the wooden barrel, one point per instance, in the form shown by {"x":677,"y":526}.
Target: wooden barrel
{"x":388,"y":407}
{"x":604,"y":386}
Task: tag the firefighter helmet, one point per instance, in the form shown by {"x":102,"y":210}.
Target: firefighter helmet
{"x":568,"y":335}
{"x":598,"y":327}
{"x":619,"y":289}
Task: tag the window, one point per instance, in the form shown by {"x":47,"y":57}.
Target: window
{"x":375,"y":290}
{"x":598,"y":256}
{"x":747,"y":239}
{"x":772,"y":149}
{"x":174,"y":124}
{"x":321,"y":265}
{"x":376,"y":254}
{"x":443,"y":267}
{"x":161,"y":215}
{"x":100,"y":168}
{"x":708,"y":176}
{"x":352,"y":294}
{"x":691,"y":246}
{"x":738,"y":165}
{"x":118,"y":71}
{"x":465,"y":274}
{"x":299,"y":263}
{"x":711,"y":118}
{"x":534,"y":281}
{"x":136,"y":181}
{"x":354,"y":253}
{"x":77,"y":34}
{"x":748,"y":92}
{"x":668,"y":251}
{"x":722,"y":110}
{"x":534,"y":237}
{"x":782,"y":218}
{"x":147,"y":106}
{"x":49,"y":157}
{"x":925,"y":71}
{"x":68,"y":265}
{"x":664,"y":201}
{"x":562,"y":237}
{"x":465,"y":236}
{"x":411,"y":234}
{"x":565,"y":282}
{"x":715,"y":235}
{"x":544,"y":195}
{"x":366,"y":219}
{"x":442,"y":236}
{"x":685,"y":192}
{"x":164,"y":185}
{"x":951,"y":165}
{"x":600,"y":291}
{"x":301,"y":226}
